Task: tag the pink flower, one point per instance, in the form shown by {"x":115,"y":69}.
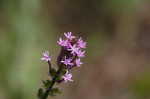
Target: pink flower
{"x":78,"y":62}
{"x":67,"y":77}
{"x":81,"y":43}
{"x":74,"y":49}
{"x":67,"y":62}
{"x":80,"y":53}
{"x":46,"y":56}
{"x":69,"y":35}
{"x":62,"y":42}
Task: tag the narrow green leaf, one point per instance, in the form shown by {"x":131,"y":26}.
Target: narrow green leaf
{"x":58,"y":78}
{"x":47,"y":83}
{"x":54,"y":92}
{"x":40,"y":93}
{"x":63,"y":71}
{"x":52,"y":72}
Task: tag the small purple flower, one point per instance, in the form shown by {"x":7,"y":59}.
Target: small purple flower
{"x":81,"y":43}
{"x":78,"y":62}
{"x":69,"y":35}
{"x":74,"y":49}
{"x":80,"y":53}
{"x":62,"y":42}
{"x":46,"y":56}
{"x":67,"y":62}
{"x":67,"y":77}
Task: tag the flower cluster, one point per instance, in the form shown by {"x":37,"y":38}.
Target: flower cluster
{"x":72,"y":50}
{"x":71,"y":53}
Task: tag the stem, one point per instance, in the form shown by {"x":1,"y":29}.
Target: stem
{"x":49,"y":64}
{"x":45,"y":96}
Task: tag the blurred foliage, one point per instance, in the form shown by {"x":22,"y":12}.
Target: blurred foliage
{"x":20,"y":49}
{"x":141,"y":86}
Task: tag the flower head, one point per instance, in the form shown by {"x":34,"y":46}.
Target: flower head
{"x":46,"y":56}
{"x":62,"y":42}
{"x":81,"y":43}
{"x":69,"y":35}
{"x":80,"y":53}
{"x":67,"y":77}
{"x":74,"y":49}
{"x":67,"y":61}
{"x":78,"y":62}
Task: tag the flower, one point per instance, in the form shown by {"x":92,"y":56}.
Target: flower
{"x":80,"y":53}
{"x":78,"y":62}
{"x":62,"y":42}
{"x":74,"y":49}
{"x":67,"y":77}
{"x":81,"y":43}
{"x":46,"y":56}
{"x":69,"y":35}
{"x":67,"y":62}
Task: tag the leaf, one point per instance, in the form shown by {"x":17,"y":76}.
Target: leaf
{"x":52,"y":72}
{"x":54,"y":92}
{"x":63,"y":71}
{"x":47,"y":83}
{"x":40,"y":93}
{"x":58,"y":78}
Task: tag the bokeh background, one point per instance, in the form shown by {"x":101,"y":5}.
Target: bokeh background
{"x":118,"y":52}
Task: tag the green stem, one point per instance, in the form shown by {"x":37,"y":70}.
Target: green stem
{"x":45,"y":96}
{"x":49,"y":65}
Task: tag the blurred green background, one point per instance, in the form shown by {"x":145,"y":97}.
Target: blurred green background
{"x":118,"y":53}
